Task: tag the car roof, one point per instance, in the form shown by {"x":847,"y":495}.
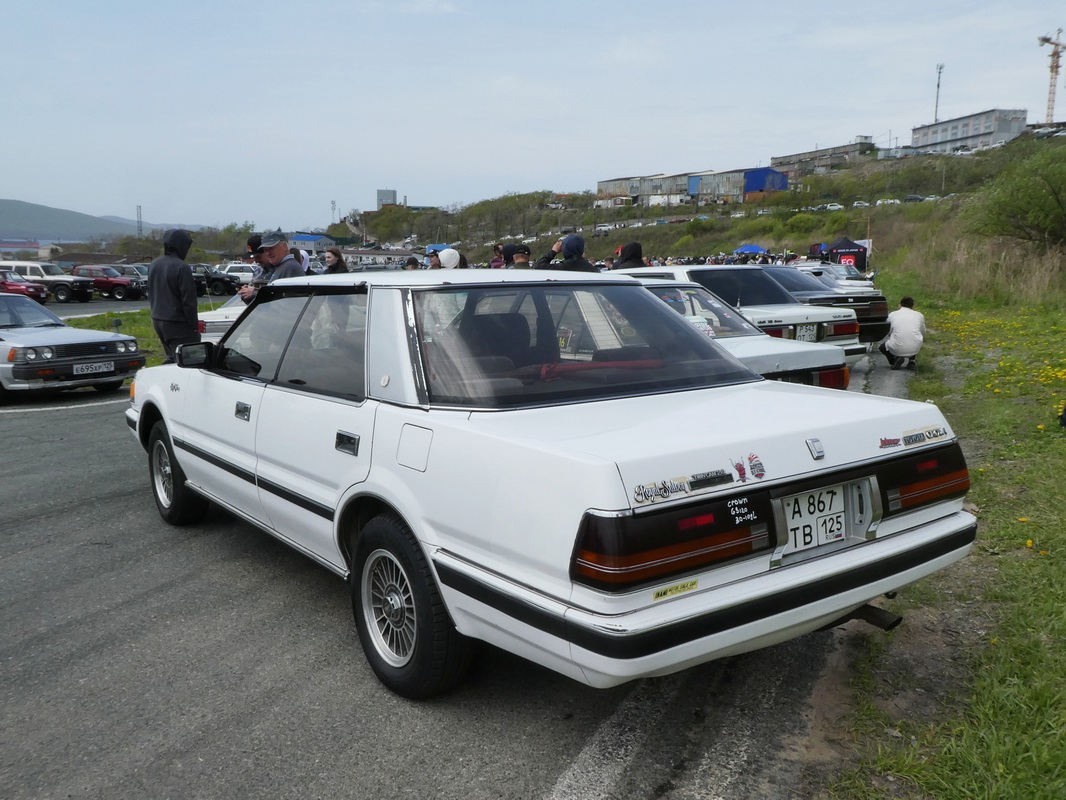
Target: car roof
{"x":448,"y":277}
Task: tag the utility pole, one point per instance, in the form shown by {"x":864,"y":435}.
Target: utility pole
{"x":936,"y":109}
{"x":333,"y":212}
{"x":1056,"y":51}
{"x":140,"y":230}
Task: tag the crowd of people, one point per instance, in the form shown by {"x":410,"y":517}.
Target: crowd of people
{"x":173,"y":302}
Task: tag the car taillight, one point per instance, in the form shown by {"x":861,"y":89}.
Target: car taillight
{"x":925,"y":478}
{"x":843,"y":328}
{"x":201,"y":326}
{"x":836,"y":378}
{"x":620,"y":553}
{"x":779,"y":333}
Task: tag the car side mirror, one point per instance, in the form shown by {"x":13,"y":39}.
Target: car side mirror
{"x":195,"y":355}
{"x":116,"y":323}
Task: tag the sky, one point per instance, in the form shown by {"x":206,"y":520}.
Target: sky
{"x":217,"y":111}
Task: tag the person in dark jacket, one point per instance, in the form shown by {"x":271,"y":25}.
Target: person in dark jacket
{"x":632,"y":255}
{"x":172,"y":294}
{"x":335,"y":261}
{"x":572,"y":249}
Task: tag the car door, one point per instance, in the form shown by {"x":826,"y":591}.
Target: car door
{"x":223,"y":405}
{"x":315,"y":425}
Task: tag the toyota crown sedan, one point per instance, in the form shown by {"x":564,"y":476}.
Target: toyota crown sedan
{"x":554,"y":463}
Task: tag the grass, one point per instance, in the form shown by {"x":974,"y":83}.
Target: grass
{"x":1001,"y":382}
{"x":139,"y":324}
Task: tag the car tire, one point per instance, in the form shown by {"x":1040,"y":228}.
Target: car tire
{"x":119,"y":293}
{"x":218,"y":288}
{"x":177,"y":504}
{"x":62,"y":294}
{"x":107,"y":388}
{"x":406,"y":633}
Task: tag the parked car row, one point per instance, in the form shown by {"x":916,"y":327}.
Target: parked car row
{"x":45,"y":280}
{"x":568,"y":466}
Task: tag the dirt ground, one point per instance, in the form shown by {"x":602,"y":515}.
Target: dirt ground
{"x":922,"y":670}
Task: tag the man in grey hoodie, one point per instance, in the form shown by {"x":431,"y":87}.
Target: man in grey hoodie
{"x":172,"y":294}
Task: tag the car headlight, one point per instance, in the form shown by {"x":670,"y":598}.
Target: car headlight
{"x":131,"y":346}
{"x":120,"y":347}
{"x":46,"y":352}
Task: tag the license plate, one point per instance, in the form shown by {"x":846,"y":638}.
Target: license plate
{"x":93,"y":369}
{"x":806,"y":333}
{"x":814,"y":518}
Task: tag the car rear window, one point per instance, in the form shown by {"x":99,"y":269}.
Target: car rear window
{"x":547,"y":343}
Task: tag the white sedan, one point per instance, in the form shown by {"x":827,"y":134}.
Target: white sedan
{"x":555,"y":463}
{"x":776,"y":359}
{"x":765,"y":302}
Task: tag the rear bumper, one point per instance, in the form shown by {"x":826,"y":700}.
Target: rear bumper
{"x":661,"y":638}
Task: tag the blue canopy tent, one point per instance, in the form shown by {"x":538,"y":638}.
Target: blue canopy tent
{"x":749,"y":248}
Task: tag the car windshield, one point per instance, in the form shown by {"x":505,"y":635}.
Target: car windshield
{"x":111,"y":272}
{"x":704,"y":310}
{"x":51,"y":269}
{"x":12,"y":276}
{"x":511,"y":346}
{"x":743,"y":287}
{"x":22,"y":312}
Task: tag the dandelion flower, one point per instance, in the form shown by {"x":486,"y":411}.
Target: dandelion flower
{"x":1023,"y":519}
{"x":1029,"y":543}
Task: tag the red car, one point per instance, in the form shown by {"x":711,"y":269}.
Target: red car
{"x":13,"y":283}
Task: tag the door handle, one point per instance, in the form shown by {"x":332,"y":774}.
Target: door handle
{"x":243,"y":411}
{"x":347,"y":443}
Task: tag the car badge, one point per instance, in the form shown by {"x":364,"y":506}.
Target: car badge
{"x":815,"y":446}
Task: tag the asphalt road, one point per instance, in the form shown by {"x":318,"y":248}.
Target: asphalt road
{"x":145,"y":661}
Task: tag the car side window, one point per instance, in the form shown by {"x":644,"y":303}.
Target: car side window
{"x":327,"y":353}
{"x":254,"y":346}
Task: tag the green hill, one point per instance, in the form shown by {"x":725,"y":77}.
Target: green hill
{"x":20,"y":220}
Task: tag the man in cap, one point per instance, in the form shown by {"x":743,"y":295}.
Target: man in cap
{"x":276,"y":251}
{"x":273,"y":256}
{"x":521,"y":256}
{"x":572,"y":249}
{"x":172,"y":294}
{"x":261,"y":272}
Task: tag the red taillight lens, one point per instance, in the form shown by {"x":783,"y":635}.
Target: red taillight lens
{"x":843,"y":328}
{"x":924,"y":479}
{"x":621,"y":553}
{"x":836,"y":378}
{"x":201,"y":326}
{"x":778,"y":333}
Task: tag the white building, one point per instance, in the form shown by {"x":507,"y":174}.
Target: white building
{"x":972,"y":132}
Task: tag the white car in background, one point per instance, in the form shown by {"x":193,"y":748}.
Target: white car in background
{"x":214,"y":322}
{"x":243,"y":272}
{"x":763,"y":301}
{"x":777,"y":359}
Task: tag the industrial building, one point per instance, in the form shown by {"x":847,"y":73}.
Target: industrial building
{"x":682,"y":188}
{"x":984,"y":129}
{"x":822,"y":159}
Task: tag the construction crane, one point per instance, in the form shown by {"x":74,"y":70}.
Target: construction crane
{"x":1056,"y":50}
